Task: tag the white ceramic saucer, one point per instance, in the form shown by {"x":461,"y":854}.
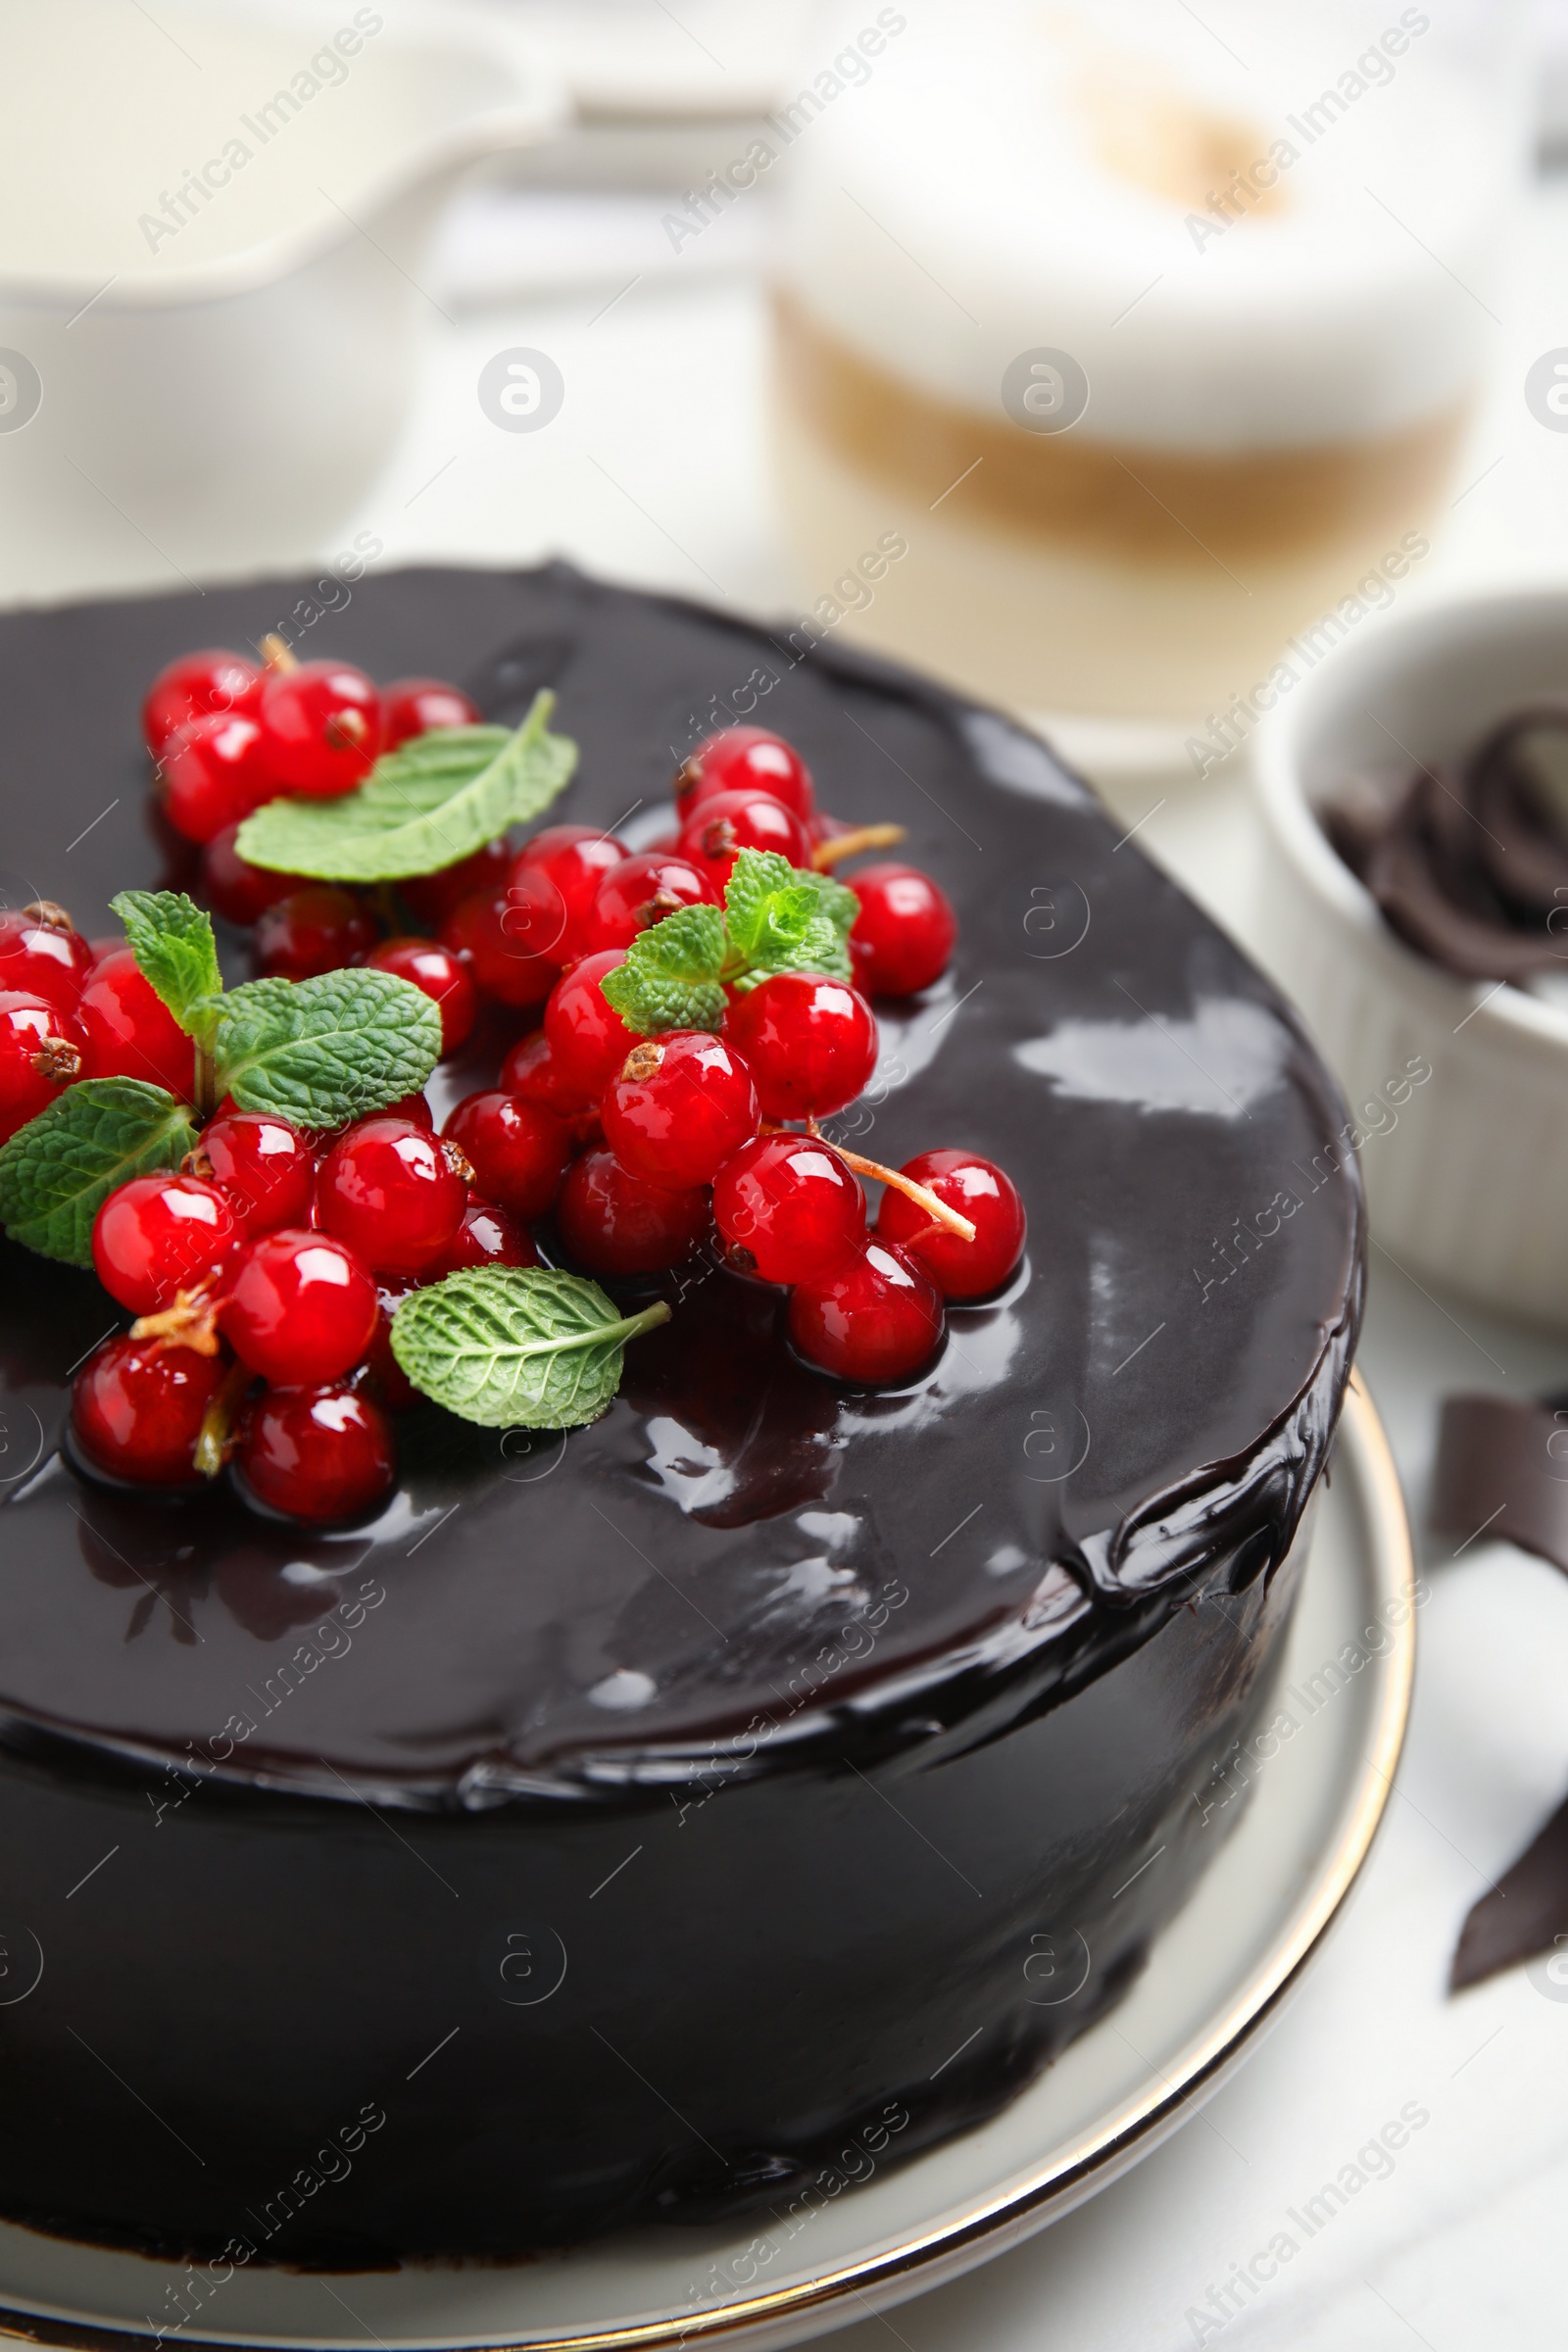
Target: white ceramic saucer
{"x":1217,"y":1977}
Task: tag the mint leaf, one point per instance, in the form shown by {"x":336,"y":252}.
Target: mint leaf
{"x":835,"y":899}
{"x":759,"y":880}
{"x":670,"y":979}
{"x":322,"y":1051}
{"x":516,"y":1349}
{"x":57,"y":1171}
{"x":433,"y":800}
{"x":171,"y":940}
{"x":820,"y":947}
{"x":787,"y":918}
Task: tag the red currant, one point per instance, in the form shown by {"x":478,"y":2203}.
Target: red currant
{"x":410,"y":1106}
{"x":810,"y":1044}
{"x":436,"y":971}
{"x":614,"y":1223}
{"x":979,"y":1190}
{"x":487,"y":1236}
{"x":532,"y":1070}
{"x":392,"y":1193}
{"x":516,"y":1149}
{"x":903,"y":933}
{"x":718,"y":829}
{"x":130,"y":1032}
{"x":136,"y":1409}
{"x":386,"y":1375}
{"x":210,"y":775}
{"x":877,"y":1317}
{"x":321,"y":1454}
{"x":299,"y":1308}
{"x":237,"y":890}
{"x":639,"y":891}
{"x":264,"y":1168}
{"x":513,"y":940}
{"x":576,"y":858}
{"x":415,"y":705}
{"x":158,"y":1235}
{"x":317,"y":929}
{"x":190,"y":687}
{"x":681,"y":1105}
{"x":320,"y":728}
{"x":41,"y":955}
{"x":746,"y":759}
{"x":433,"y":897}
{"x":41,"y":1051}
{"x":787,"y":1209}
{"x":587,"y":1037}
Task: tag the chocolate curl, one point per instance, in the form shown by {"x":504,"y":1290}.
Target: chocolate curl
{"x":1427,"y":877}
{"x":1502,"y":1470}
{"x":1521,"y":844}
{"x":1469,"y":863}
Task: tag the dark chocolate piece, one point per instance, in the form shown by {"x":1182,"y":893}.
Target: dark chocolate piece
{"x":1524,"y":1915}
{"x":1502,"y":1471}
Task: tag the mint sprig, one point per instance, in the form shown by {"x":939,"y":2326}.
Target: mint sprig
{"x":516,"y":1349}
{"x":314,"y":1052}
{"x":433,"y":800}
{"x":171,"y":940}
{"x":57,"y":1171}
{"x":671,"y":976}
{"x":322,"y":1051}
{"x":776,"y":917}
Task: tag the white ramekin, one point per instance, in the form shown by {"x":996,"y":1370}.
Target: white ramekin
{"x":1467,"y":1168}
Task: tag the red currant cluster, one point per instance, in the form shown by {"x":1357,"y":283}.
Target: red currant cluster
{"x":504,"y":923}
{"x":686,"y":1129}
{"x":228,"y":734}
{"x":72,"y":1009}
{"x":279,"y":1256}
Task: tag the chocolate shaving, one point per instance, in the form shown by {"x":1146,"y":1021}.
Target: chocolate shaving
{"x":1470,"y":864}
{"x":1502,"y":1471}
{"x":1524,"y":1914}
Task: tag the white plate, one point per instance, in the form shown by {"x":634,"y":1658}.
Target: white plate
{"x":1217,"y":1977}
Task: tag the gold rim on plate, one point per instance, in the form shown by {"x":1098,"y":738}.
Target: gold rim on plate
{"x":961,"y":2242}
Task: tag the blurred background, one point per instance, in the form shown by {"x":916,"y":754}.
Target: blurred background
{"x":1090,"y":356}
{"x":1150,"y":334}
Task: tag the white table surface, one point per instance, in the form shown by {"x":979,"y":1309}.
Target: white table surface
{"x":655,"y":472}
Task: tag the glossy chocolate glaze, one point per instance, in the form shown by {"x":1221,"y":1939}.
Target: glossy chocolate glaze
{"x":853,"y":1692}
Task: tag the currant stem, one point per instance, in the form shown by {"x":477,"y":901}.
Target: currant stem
{"x":828,"y":853}
{"x":192,"y":1322}
{"x":215,"y":1434}
{"x":919,"y":1194}
{"x":49,"y":913}
{"x":277,"y":654}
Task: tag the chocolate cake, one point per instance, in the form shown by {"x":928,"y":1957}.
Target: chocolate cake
{"x":627,"y":1822}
